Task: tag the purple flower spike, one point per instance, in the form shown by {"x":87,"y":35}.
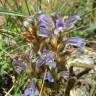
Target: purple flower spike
{"x":47,"y":58}
{"x":76,"y":41}
{"x":31,"y":90}
{"x":19,"y":64}
{"x":49,"y":76}
{"x":64,"y":74}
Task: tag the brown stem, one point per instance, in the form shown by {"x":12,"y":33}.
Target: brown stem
{"x":70,"y":82}
{"x":82,"y":73}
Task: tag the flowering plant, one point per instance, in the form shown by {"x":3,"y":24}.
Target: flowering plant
{"x":49,"y":39}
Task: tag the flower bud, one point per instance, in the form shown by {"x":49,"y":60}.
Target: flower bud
{"x":60,"y":47}
{"x":53,"y":42}
{"x":29,"y":71}
{"x":47,"y":40}
{"x":60,"y":59}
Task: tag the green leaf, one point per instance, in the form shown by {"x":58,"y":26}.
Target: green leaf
{"x":87,"y":31}
{"x":91,"y":27}
{"x":1,"y":49}
{"x":12,"y":13}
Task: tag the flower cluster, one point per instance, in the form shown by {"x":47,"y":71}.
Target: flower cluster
{"x":47,"y":37}
{"x":47,"y":58}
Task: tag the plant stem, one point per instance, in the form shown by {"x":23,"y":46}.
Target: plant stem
{"x":82,"y":73}
{"x":27,"y":7}
{"x":70,"y":82}
{"x":43,"y":83}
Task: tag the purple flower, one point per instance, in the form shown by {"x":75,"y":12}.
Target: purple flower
{"x":64,"y":74}
{"x":59,"y":22}
{"x":40,"y":61}
{"x":76,"y":41}
{"x":73,"y":19}
{"x":50,"y":59}
{"x":59,"y":26}
{"x":65,"y":26}
{"x":31,"y":90}
{"x":47,"y":58}
{"x":45,"y":26}
{"x":45,"y":19}
{"x":20,"y":65}
{"x":49,"y":76}
{"x":70,"y":23}
{"x":44,"y":31}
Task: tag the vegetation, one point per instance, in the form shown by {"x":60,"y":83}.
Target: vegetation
{"x":47,"y":47}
